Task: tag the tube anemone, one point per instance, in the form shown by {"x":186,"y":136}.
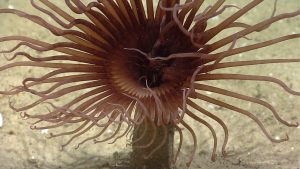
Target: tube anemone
{"x":141,"y":68}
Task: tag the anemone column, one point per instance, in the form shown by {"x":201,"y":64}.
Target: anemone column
{"x":146,"y":140}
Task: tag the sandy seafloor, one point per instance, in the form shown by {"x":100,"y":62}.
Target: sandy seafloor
{"x":23,"y":148}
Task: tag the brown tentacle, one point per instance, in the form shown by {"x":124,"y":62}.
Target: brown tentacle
{"x":126,"y":8}
{"x":57,"y":94}
{"x":125,"y":114}
{"x":93,"y":92}
{"x":174,"y":11}
{"x":33,"y":44}
{"x":159,"y":14}
{"x":45,"y":78}
{"x":118,"y":14}
{"x":244,"y":112}
{"x":257,"y":27}
{"x":200,"y":120}
{"x":112,"y":136}
{"x":188,"y":164}
{"x":180,"y":142}
{"x":151,"y":141}
{"x":88,"y":114}
{"x":70,"y":132}
{"x":215,"y":7}
{"x":214,"y":31}
{"x":246,"y":77}
{"x":143,"y":133}
{"x":77,"y":135}
{"x":238,"y":25}
{"x":189,"y":20}
{"x":94,"y":105}
{"x":251,"y":47}
{"x":58,"y":58}
{"x":138,"y":9}
{"x":73,"y":35}
{"x":99,"y":19}
{"x":129,"y":126}
{"x":75,"y":78}
{"x":141,"y":104}
{"x":212,"y":67}
{"x":97,"y":135}
{"x":66,"y":67}
{"x":160,"y":109}
{"x":105,"y":11}
{"x":246,"y":98}
{"x":122,"y":135}
{"x":184,"y":11}
{"x":217,"y":119}
{"x":203,"y":17}
{"x":78,"y":78}
{"x":82,"y":24}
{"x":150,"y":10}
{"x":221,"y":57}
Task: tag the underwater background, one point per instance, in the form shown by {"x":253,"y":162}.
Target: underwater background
{"x":248,"y":148}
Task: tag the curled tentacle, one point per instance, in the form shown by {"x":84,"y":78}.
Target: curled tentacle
{"x":247,"y":77}
{"x":180,"y":143}
{"x":188,"y":164}
{"x":200,"y":120}
{"x":244,"y":112}
{"x":246,"y":98}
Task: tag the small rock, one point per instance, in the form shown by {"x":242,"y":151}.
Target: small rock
{"x":1,"y":120}
{"x":44,"y":131}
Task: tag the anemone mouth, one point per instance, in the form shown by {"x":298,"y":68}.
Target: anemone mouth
{"x":134,"y":79}
{"x":138,"y":64}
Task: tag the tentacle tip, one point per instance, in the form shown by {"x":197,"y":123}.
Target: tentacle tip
{"x":296,"y":124}
{"x":33,"y":127}
{"x":7,"y":58}
{"x":77,"y":146}
{"x":287,"y":137}
{"x":279,"y":140}
{"x":188,"y":165}
{"x":51,"y":135}
{"x":224,"y":154}
{"x":11,"y":105}
{"x":213,"y":158}
{"x":24,"y":115}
